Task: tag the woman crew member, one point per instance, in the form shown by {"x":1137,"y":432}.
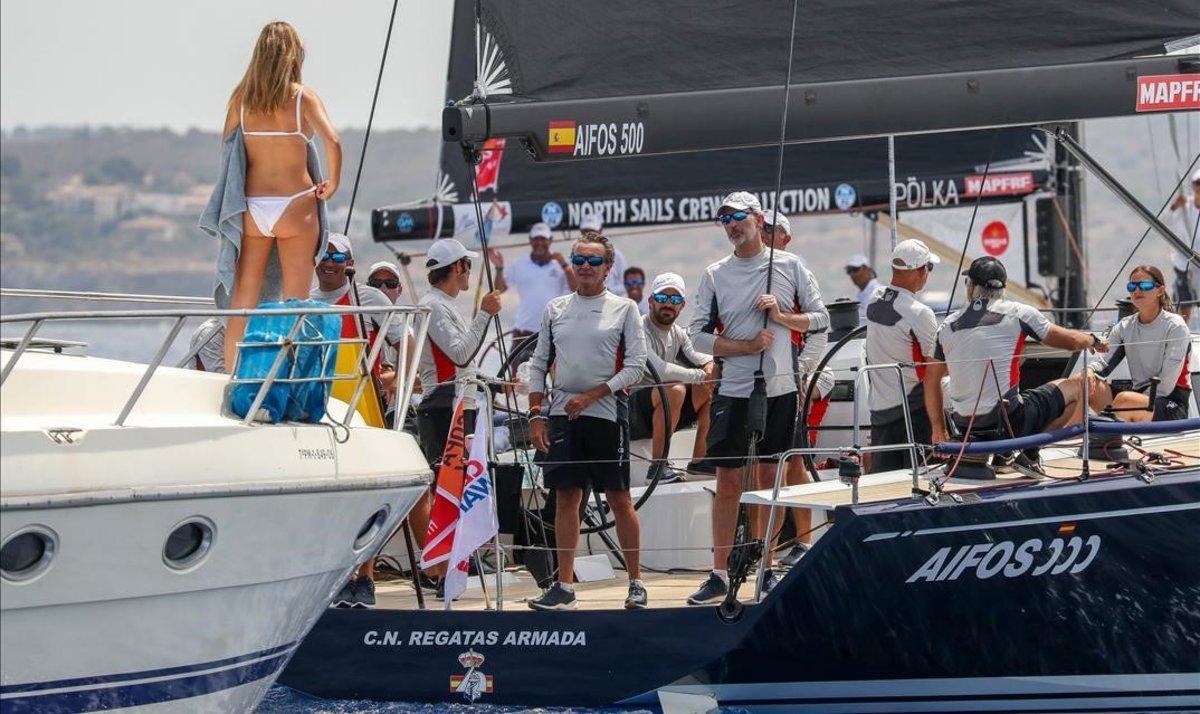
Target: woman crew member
{"x":278,"y":117}
{"x":1155,"y":342}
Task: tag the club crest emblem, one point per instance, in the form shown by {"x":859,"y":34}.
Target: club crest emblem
{"x":474,"y":683}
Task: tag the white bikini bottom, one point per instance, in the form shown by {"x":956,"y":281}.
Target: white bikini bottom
{"x":265,"y":211}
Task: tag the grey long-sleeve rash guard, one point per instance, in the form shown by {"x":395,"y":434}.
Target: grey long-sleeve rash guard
{"x":590,"y":341}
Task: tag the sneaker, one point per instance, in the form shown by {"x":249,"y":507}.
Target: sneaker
{"x":345,"y":596}
{"x":770,"y":580}
{"x":798,"y":551}
{"x":556,"y":597}
{"x":663,"y":471}
{"x":711,"y":592}
{"x":703,"y":466}
{"x":427,"y":583}
{"x":364,"y":593}
{"x":636,"y":600}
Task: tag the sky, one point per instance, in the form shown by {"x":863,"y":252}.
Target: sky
{"x":165,"y":63}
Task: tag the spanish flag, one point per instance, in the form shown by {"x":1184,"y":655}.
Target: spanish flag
{"x":562,"y":137}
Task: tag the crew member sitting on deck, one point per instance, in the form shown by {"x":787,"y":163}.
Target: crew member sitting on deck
{"x":593,"y":340}
{"x":635,"y":287}
{"x":900,"y":330}
{"x":777,"y":232}
{"x":687,"y":376}
{"x":334,"y":287}
{"x":981,"y":346}
{"x":1155,"y":342}
{"x":729,"y":324}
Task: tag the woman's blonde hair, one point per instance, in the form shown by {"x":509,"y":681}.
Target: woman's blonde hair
{"x":274,"y":70}
{"x":1164,"y":300}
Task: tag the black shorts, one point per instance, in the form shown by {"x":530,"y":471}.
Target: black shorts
{"x":1183,"y":288}
{"x":642,"y":412}
{"x":1167,"y":407}
{"x":893,"y":432}
{"x":1033,"y":409}
{"x":588,"y":452}
{"x":433,"y":428}
{"x":729,"y":432}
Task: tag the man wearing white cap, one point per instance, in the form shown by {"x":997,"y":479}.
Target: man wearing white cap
{"x":384,"y":276}
{"x":539,"y":277}
{"x":1187,"y":274}
{"x":687,"y":375}
{"x":900,"y":330}
{"x":335,"y":286}
{"x":731,"y":301}
{"x":614,"y":282}
{"x":863,"y":276}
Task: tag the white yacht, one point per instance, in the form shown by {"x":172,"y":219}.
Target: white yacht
{"x":159,"y":551}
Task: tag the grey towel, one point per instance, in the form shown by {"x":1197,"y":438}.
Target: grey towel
{"x":222,"y":219}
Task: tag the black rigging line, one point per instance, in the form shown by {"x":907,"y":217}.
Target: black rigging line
{"x":371,"y":118}
{"x":974,"y":212}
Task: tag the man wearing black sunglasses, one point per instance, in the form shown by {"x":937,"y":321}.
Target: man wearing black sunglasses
{"x":385,"y":277}
{"x":731,"y":301}
{"x":688,"y":377}
{"x":592,"y":343}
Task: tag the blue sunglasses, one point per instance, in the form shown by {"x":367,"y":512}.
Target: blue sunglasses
{"x":725,"y":218}
{"x":593,"y":260}
{"x":338,"y":257}
{"x":663,"y":297}
{"x":1143,"y":285}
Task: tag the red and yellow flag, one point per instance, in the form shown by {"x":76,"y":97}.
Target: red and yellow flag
{"x":561,"y":137}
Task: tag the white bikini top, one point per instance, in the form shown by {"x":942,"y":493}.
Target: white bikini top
{"x":297,"y":132}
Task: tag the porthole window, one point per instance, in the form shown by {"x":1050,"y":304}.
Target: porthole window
{"x":188,"y":543}
{"x":27,"y":553}
{"x":371,"y":528}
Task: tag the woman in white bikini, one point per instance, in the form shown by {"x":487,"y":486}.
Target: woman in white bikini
{"x":278,"y":117}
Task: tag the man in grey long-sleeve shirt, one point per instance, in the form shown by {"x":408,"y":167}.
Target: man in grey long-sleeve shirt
{"x":729,"y":324}
{"x":686,"y":375}
{"x":594,"y":341}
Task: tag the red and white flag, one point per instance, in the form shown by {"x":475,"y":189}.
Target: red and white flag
{"x":463,"y":516}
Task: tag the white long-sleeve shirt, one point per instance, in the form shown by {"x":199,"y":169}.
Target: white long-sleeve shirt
{"x":590,"y":341}
{"x":725,"y":307}
{"x":663,"y":348}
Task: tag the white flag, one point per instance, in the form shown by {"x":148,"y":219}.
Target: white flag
{"x":477,"y":511}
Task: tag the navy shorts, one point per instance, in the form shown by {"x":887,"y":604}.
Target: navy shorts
{"x":729,"y":430}
{"x":587,"y":453}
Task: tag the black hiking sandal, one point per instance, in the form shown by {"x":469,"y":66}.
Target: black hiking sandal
{"x":556,"y":597}
{"x":711,"y":592}
{"x":637,"y":598}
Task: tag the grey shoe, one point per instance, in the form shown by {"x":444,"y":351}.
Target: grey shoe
{"x":711,"y":592}
{"x":636,"y":600}
{"x":556,"y":597}
{"x":364,"y":593}
{"x":794,"y":555}
{"x":666,"y":474}
{"x":345,"y":596}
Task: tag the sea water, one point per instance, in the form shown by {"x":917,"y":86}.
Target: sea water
{"x":284,"y":700}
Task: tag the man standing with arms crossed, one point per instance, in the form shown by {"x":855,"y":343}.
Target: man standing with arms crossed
{"x":900,"y":330}
{"x":729,"y":325}
{"x":595,"y":344}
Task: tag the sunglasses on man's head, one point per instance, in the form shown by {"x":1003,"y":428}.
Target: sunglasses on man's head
{"x":593,"y":260}
{"x":337,"y":257}
{"x":634,"y":283}
{"x":389,"y":283}
{"x":663,"y":297}
{"x":726,"y":218}
{"x":1143,"y":285}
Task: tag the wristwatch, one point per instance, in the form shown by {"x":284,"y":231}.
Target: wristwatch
{"x":1095,"y":341}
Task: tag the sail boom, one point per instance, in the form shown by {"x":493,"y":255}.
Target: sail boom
{"x":648,"y":124}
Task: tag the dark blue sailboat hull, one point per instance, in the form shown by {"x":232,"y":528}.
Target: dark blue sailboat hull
{"x":1079,"y":596}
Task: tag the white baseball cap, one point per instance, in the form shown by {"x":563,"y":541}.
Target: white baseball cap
{"x":540,"y":230}
{"x":662,"y":281}
{"x":384,"y":265}
{"x":1196,"y":176}
{"x":338,"y":243}
{"x":858,"y":260}
{"x":781,"y":221}
{"x":446,"y":251}
{"x":742,"y":201}
{"x":912,"y":254}
{"x":590,"y":222}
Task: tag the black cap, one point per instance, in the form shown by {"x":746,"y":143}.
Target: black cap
{"x":987,"y":272}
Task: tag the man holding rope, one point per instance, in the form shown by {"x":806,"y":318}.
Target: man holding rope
{"x":728,"y":324}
